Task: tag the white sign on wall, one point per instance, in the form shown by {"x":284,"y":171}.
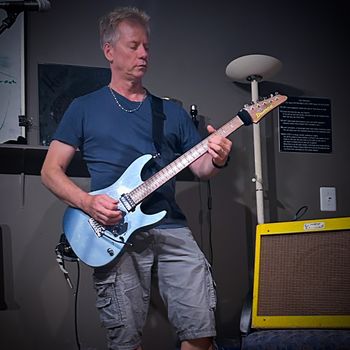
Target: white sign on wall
{"x":11,"y":79}
{"x":305,"y":125}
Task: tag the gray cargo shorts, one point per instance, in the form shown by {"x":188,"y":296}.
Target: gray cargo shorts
{"x":184,"y":280}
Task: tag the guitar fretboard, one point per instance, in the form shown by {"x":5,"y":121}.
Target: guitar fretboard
{"x":161,"y":177}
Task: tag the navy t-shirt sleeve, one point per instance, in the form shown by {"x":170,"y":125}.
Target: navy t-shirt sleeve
{"x":180,"y":132}
{"x":70,"y":128}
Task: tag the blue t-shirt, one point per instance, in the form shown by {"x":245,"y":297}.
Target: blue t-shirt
{"x":110,"y":139}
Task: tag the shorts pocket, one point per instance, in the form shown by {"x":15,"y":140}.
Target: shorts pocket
{"x":109,"y":300}
{"x":211,"y":287}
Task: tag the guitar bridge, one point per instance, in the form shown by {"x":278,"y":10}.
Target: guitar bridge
{"x":97,"y":227}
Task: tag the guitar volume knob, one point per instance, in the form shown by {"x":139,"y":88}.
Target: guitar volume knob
{"x":110,"y":251}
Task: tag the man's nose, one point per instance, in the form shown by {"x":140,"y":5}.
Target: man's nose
{"x":143,"y":51}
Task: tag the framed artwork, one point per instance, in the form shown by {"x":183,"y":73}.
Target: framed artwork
{"x":58,"y":85}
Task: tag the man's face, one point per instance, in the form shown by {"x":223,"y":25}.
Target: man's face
{"x":129,"y":54}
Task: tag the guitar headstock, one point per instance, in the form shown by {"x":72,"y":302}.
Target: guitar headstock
{"x":259,"y":109}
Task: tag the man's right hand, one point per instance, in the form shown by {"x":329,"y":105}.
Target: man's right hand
{"x":103,"y":209}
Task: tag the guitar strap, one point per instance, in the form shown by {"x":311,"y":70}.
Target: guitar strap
{"x":158,"y":118}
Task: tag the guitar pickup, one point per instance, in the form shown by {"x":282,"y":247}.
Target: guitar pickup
{"x":127,"y":201}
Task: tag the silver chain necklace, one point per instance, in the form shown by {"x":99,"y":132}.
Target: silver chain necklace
{"x":123,"y":108}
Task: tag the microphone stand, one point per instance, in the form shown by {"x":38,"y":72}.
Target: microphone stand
{"x":194,"y":112}
{"x":9,"y":20}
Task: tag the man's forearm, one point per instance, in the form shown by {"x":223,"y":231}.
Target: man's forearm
{"x":203,"y":167}
{"x":64,"y":188}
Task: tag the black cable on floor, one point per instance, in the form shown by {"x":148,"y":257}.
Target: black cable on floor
{"x":210,"y":202}
{"x":76,"y":328}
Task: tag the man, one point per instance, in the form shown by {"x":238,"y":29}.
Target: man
{"x":112,"y":127}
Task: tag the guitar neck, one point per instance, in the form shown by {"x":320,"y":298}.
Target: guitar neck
{"x":172,"y":169}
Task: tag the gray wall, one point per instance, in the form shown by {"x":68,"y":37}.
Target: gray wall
{"x":192,"y":43}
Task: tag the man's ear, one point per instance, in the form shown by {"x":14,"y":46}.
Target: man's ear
{"x":108,"y":52}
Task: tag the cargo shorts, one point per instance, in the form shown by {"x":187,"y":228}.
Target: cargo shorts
{"x":184,"y":280}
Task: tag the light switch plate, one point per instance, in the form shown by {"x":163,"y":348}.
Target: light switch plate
{"x":328,"y":199}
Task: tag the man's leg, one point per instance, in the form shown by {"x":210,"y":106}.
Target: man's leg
{"x":123,"y":294}
{"x":198,"y":344}
{"x":186,"y":285}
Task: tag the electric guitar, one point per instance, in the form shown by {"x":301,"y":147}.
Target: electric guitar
{"x":97,"y":245}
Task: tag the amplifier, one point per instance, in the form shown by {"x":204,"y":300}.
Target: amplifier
{"x":302,"y":274}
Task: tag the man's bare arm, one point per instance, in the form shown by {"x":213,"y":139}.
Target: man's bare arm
{"x":53,"y":174}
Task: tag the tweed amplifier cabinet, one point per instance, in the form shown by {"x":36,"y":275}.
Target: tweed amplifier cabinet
{"x":302,"y":274}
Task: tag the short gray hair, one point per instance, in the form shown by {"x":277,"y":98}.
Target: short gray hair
{"x":108,"y":24}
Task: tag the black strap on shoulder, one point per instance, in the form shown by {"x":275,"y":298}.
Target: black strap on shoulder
{"x":158,"y":117}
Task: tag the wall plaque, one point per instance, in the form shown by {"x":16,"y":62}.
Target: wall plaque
{"x":305,"y":125}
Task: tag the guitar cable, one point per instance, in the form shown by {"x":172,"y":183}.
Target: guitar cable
{"x":210,"y":201}
{"x":64,"y":253}
{"x":59,"y":250}
{"x":300,"y":212}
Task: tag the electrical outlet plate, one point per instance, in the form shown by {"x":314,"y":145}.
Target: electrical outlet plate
{"x":328,"y":199}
